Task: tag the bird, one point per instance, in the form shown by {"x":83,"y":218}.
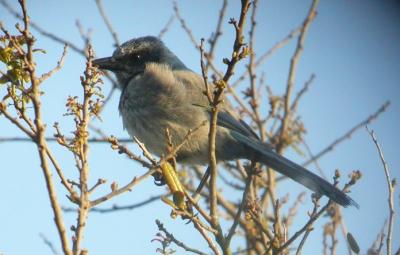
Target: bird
{"x":158,"y":91}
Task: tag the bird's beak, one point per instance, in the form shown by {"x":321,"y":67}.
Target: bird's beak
{"x":108,"y":63}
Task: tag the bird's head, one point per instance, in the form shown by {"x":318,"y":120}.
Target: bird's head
{"x":130,"y":59}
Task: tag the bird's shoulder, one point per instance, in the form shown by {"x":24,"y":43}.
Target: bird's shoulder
{"x":227,"y":117}
{"x":160,"y":76}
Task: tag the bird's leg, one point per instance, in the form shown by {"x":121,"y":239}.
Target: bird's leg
{"x":203,"y":181}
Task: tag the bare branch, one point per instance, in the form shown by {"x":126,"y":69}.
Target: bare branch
{"x":206,"y":237}
{"x":307,"y":85}
{"x":129,"y":207}
{"x":184,"y":26}
{"x":267,"y":54}
{"x":315,"y":216}
{"x":60,"y":64}
{"x":207,"y":91}
{"x":111,"y":93}
{"x":49,"y":244}
{"x":115,"y":145}
{"x":348,"y":134}
{"x":354,"y":177}
{"x":146,"y":153}
{"x":103,"y":14}
{"x":85,"y":35}
{"x":176,"y":241}
{"x":41,"y":30}
{"x":99,"y":182}
{"x":39,"y":130}
{"x":293,"y":210}
{"x":343,"y":226}
{"x":252,"y":90}
{"x":381,"y":237}
{"x":218,"y":32}
{"x":186,"y":138}
{"x":127,"y":187}
{"x":166,"y":27}
{"x":309,"y":228}
{"x":52,"y":139}
{"x":17,"y":123}
{"x":235,"y":223}
{"x":292,"y":74}
{"x":390,"y":183}
{"x":64,"y":181}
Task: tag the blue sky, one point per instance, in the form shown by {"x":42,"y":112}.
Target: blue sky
{"x":352,"y":47}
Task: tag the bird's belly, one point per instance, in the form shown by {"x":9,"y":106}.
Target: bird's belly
{"x":150,"y":129}
{"x":146,"y":129}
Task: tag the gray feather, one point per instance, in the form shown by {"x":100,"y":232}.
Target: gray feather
{"x":159,"y":92}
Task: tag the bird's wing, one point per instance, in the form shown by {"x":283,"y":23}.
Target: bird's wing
{"x":227,"y":118}
{"x":263,"y":152}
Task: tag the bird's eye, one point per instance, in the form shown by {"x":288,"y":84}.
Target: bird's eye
{"x":138,"y":57}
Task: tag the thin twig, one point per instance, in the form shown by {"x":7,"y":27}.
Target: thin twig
{"x":237,"y":54}
{"x":116,"y":145}
{"x":207,"y":91}
{"x":304,"y":228}
{"x":293,"y":210}
{"x":381,"y":237}
{"x":185,"y":139}
{"x":316,"y":163}
{"x":354,"y":177}
{"x":81,"y":149}
{"x":183,"y":24}
{"x":198,"y":208}
{"x":309,"y":228}
{"x":252,"y":90}
{"x":218,"y":32}
{"x":229,"y":207}
{"x":235,"y":223}
{"x":60,"y":64}
{"x":60,"y":173}
{"x":99,"y":182}
{"x":18,"y":124}
{"x":267,"y":54}
{"x":348,"y":134}
{"x":127,"y":187}
{"x":206,"y":237}
{"x":145,"y":152}
{"x":390,"y":184}
{"x":305,"y":88}
{"x":292,"y":74}
{"x":41,"y":30}
{"x":85,"y":35}
{"x":49,"y":244}
{"x":343,"y":226}
{"x":129,"y":207}
{"x":111,"y":93}
{"x":103,"y":14}
{"x":40,"y":129}
{"x":172,"y":238}
{"x":52,"y":139}
{"x":32,"y":138}
{"x":166,"y":27}
{"x":261,"y":226}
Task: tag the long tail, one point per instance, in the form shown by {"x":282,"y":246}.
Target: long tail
{"x":296,"y":172}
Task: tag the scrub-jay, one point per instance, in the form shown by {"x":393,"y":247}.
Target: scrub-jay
{"x":159,"y":92}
